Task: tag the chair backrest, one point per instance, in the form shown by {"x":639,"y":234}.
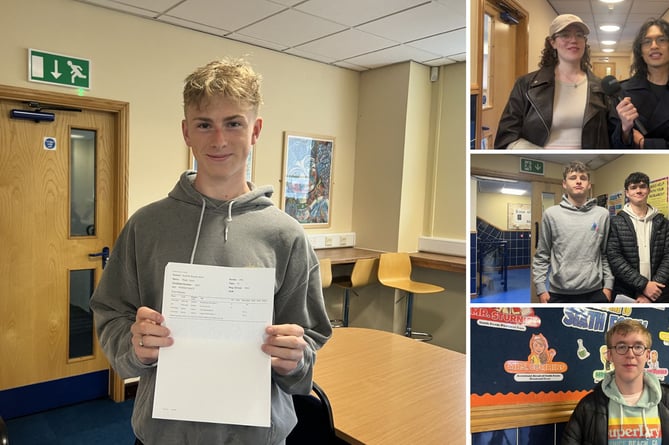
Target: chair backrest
{"x":364,"y":272}
{"x":326,"y":272}
{"x":315,"y":424}
{"x":394,"y":266}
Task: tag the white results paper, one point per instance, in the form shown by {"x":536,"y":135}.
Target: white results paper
{"x":215,"y":371}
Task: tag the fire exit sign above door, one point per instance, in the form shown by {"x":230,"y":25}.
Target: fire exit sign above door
{"x":59,"y":69}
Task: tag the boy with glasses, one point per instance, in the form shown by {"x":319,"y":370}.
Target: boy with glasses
{"x":637,"y":248}
{"x":629,"y":406}
{"x":646,"y":93}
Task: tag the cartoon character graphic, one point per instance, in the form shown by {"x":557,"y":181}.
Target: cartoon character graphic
{"x":540,"y":354}
{"x":653,"y":362}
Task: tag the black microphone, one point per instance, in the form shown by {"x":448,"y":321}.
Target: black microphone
{"x":612,"y":87}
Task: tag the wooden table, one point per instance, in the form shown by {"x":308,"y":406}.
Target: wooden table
{"x":389,"y":389}
{"x":346,"y":255}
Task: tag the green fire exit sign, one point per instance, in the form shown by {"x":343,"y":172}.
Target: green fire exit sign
{"x":531,"y":166}
{"x":59,"y":69}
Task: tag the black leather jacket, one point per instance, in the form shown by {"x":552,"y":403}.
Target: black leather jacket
{"x":653,"y":113}
{"x":590,"y":420}
{"x":622,"y":251}
{"x":529,"y":112}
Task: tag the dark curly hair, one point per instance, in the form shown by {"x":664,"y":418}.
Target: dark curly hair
{"x":639,"y":65}
{"x":550,"y":59}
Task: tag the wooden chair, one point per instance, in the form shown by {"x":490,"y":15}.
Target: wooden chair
{"x":326,"y":272}
{"x":363,"y":273}
{"x":395,"y":272}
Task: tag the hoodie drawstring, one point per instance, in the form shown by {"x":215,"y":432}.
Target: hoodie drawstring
{"x":228,"y":220}
{"x":197,"y":234}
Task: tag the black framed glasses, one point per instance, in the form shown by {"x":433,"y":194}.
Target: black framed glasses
{"x":622,"y":348}
{"x":659,"y":41}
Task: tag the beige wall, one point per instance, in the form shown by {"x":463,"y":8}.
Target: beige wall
{"x":493,"y":207}
{"x":392,"y":138}
{"x":612,"y":175}
{"x":145,"y":65}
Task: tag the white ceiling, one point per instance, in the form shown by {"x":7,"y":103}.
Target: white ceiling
{"x":354,"y":34}
{"x":628,"y":14}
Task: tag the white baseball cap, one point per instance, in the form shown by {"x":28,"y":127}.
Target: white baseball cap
{"x":562,"y":21}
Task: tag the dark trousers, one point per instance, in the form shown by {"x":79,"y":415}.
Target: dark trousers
{"x":596,"y":296}
{"x":138,"y":442}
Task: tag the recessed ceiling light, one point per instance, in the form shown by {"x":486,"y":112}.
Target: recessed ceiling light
{"x":608,"y":42}
{"x":607,"y":50}
{"x":610,"y":1}
{"x":610,"y":28}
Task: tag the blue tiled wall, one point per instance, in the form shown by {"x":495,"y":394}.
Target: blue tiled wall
{"x":519,"y":242}
{"x":531,"y":435}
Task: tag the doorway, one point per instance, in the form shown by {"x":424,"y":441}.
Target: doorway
{"x":503,"y":28}
{"x":63,"y":190}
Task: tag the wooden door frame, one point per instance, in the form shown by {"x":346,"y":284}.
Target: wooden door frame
{"x":121,"y":112}
{"x":522,"y":40}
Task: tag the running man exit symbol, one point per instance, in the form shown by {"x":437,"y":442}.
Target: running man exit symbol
{"x":59,"y":69}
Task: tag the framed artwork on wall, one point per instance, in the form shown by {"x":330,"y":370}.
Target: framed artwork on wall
{"x":306,"y":190}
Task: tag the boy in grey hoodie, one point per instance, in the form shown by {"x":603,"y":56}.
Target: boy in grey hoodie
{"x":638,"y":246}
{"x":629,"y":406}
{"x":213,"y":217}
{"x":572,"y":243}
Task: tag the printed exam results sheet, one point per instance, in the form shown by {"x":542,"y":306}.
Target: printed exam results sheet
{"x":215,"y":371}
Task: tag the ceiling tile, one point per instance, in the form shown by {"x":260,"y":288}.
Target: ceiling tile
{"x":416,"y":23}
{"x":291,"y":28}
{"x":193,"y":25}
{"x":257,"y":42}
{"x":444,"y":44}
{"x":346,"y":44}
{"x":219,"y":13}
{"x":392,"y":55}
{"x":355,"y":12}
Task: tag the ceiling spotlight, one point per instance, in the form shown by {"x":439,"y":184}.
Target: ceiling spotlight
{"x":608,"y":42}
{"x":610,"y":28}
{"x":610,"y":1}
{"x":607,"y":50}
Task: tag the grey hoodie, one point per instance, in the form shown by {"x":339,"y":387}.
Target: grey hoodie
{"x":572,"y":241}
{"x":188,"y":227}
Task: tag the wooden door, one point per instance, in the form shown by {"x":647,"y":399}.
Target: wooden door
{"x":544,"y":195}
{"x":48,"y":236}
{"x":505,"y":49}
{"x":603,"y":69}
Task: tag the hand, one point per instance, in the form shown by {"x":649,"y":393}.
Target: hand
{"x":285,"y":344}
{"x":627,"y":113}
{"x":544,"y":297}
{"x":607,"y":293}
{"x":653,"y":290}
{"x":148,"y":335}
{"x":643,"y":299}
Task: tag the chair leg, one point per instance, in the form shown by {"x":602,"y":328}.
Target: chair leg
{"x":408,"y":332}
{"x":347,"y":297}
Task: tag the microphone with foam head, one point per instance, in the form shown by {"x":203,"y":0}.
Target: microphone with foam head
{"x":612,"y":87}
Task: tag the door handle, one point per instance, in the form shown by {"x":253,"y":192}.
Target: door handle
{"x":104,"y":255}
